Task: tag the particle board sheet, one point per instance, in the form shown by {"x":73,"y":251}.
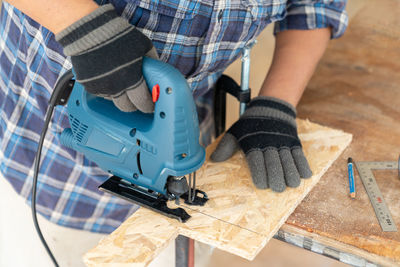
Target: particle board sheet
{"x":238,"y":218}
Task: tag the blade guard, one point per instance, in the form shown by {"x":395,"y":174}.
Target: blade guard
{"x":144,"y":149}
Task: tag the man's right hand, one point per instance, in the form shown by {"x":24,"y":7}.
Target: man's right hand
{"x":106,"y":54}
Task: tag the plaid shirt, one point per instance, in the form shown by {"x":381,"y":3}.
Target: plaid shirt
{"x":200,"y":38}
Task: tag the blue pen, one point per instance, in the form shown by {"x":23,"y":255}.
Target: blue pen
{"x":351,"y":178}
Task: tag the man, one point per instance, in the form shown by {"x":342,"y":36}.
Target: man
{"x":40,"y":39}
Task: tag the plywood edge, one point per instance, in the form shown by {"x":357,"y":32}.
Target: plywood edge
{"x":247,"y":254}
{"x":136,"y":242}
{"x":348,"y":139}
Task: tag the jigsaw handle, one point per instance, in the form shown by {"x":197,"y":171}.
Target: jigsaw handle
{"x":156,"y":72}
{"x":144,"y":149}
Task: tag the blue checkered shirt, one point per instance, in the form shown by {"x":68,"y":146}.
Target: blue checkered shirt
{"x":199,"y":37}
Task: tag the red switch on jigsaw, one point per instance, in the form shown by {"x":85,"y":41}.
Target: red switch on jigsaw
{"x":155,"y":92}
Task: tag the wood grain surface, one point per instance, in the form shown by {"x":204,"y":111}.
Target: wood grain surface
{"x":238,"y":217}
{"x":356,"y":88}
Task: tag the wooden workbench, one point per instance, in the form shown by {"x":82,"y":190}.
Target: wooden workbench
{"x":356,"y":88}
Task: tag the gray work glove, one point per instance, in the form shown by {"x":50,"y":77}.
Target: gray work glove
{"x":267,"y":133}
{"x":106,"y":54}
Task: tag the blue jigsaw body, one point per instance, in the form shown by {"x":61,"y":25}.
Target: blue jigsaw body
{"x":143,"y":149}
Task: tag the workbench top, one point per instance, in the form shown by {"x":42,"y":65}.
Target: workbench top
{"x":356,"y":88}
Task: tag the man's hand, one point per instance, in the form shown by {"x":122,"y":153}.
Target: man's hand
{"x":267,"y":131}
{"x":267,"y":134}
{"x":106,"y":53}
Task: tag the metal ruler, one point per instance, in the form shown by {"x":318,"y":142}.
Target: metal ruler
{"x":375,"y":196}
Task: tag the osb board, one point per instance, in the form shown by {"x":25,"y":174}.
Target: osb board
{"x":238,"y":217}
{"x":357,"y":88}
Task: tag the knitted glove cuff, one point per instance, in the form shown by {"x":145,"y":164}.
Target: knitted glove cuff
{"x":274,"y":103}
{"x":106,"y":52}
{"x":273,"y":108}
{"x":95,"y":29}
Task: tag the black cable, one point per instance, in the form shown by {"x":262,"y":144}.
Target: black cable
{"x":49,"y":113}
{"x":59,"y":96}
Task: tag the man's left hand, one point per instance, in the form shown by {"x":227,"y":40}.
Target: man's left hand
{"x":267,"y":134}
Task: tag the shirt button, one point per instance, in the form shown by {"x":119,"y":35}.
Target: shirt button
{"x":220,"y":15}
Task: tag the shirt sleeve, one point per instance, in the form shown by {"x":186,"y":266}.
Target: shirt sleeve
{"x":314,"y":14}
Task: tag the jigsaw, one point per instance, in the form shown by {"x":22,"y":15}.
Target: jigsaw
{"x":152,"y":158}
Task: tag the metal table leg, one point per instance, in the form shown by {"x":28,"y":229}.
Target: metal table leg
{"x":184,"y":252}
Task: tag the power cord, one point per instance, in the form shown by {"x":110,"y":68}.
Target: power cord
{"x":59,"y":96}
